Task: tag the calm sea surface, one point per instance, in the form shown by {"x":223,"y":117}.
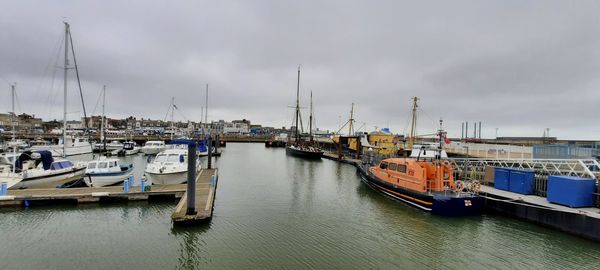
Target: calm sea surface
{"x":279,"y":212}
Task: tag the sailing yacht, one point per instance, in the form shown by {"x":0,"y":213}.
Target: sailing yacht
{"x":299,"y":147}
{"x":74,"y":145}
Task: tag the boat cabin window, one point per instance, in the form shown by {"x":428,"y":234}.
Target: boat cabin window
{"x":91,"y":165}
{"x":383,"y":165}
{"x":393,"y":166}
{"x":161,"y":158}
{"x":401,"y":168}
{"x":80,"y":140}
{"x":102,"y":165}
{"x":61,"y":165}
{"x":113,"y":164}
{"x":173,"y":158}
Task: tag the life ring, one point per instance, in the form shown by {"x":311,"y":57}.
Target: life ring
{"x":459,"y":186}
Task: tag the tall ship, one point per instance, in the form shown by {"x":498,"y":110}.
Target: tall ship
{"x":301,"y":147}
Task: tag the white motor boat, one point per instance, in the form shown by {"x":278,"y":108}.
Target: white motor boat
{"x":106,"y":172}
{"x":74,"y":146}
{"x":40,"y":170}
{"x":111,"y":146}
{"x":169,"y":167}
{"x":153,"y":147}
{"x":129,"y":148}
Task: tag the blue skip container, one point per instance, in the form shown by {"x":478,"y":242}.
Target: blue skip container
{"x":501,"y":177}
{"x":521,"y":181}
{"x":571,"y":191}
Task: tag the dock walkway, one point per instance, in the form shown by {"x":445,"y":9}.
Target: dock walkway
{"x":205,"y":197}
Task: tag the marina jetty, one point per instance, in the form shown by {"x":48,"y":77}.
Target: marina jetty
{"x":560,"y":194}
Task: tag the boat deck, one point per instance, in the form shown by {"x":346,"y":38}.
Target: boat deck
{"x":205,"y":197}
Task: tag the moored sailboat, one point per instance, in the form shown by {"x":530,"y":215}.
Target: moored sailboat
{"x":300,"y":147}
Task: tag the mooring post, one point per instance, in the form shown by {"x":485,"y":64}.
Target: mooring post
{"x":126,"y":186}
{"x":216,"y":142}
{"x":209,"y":165}
{"x":3,"y":188}
{"x":191,"y":180}
{"x":143,"y":185}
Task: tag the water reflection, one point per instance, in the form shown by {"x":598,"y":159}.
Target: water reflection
{"x":193,"y":251}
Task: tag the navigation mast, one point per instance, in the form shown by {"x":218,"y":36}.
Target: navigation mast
{"x":66,"y":69}
{"x":413,"y":125}
{"x":310,"y":119}
{"x":298,"y":106}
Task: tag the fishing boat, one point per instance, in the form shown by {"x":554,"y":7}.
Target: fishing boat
{"x":300,"y":147}
{"x":169,"y":167}
{"x":153,"y":147}
{"x":426,"y":182}
{"x":40,"y":170}
{"x":106,"y":172}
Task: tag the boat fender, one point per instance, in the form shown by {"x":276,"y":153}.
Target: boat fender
{"x":459,"y":186}
{"x":474,"y":186}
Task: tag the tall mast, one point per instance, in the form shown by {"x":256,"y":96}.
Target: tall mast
{"x":172,"y":112}
{"x":13,"y":118}
{"x":66,"y":68}
{"x":310,"y":118}
{"x":298,"y":105}
{"x":351,"y":121}
{"x":12,"y":86}
{"x":206,"y":106}
{"x":413,"y":125}
{"x":103,"y":124}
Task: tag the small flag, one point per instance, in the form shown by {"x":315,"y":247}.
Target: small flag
{"x":446,"y":140}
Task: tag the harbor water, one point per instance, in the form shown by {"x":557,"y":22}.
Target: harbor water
{"x":273,"y":211}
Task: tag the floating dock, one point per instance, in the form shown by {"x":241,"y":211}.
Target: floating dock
{"x":584,"y":221}
{"x":206,"y":186}
{"x":205,"y":194}
{"x":29,"y":197}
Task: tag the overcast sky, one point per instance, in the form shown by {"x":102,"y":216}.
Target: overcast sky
{"x":519,"y":66}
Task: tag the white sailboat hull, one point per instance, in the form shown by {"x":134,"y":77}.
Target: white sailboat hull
{"x":57,"y":150}
{"x":106,"y":180}
{"x":50,"y":179}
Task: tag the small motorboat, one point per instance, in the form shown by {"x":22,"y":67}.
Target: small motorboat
{"x":106,"y":172}
{"x":129,"y":148}
{"x":153,"y":147}
{"x":111,"y":146}
{"x":169,"y":167}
